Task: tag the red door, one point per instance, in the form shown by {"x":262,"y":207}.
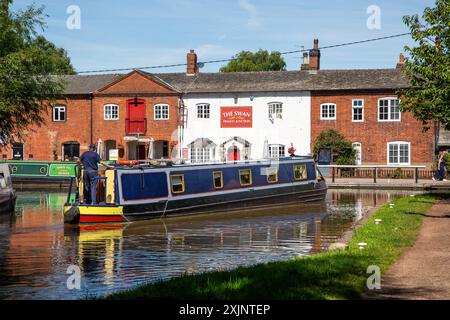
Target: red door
{"x":136,"y":121}
{"x":142,"y":155}
{"x":233,"y":154}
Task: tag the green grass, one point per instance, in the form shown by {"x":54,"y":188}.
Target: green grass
{"x":330,"y":275}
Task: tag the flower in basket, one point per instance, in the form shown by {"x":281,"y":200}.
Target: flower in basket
{"x":291,"y":150}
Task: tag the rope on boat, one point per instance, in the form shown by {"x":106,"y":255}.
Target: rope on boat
{"x":165,"y":208}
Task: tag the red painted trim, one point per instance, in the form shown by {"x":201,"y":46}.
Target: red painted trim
{"x":101,"y":218}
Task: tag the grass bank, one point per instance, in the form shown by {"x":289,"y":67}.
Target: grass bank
{"x":330,"y":275}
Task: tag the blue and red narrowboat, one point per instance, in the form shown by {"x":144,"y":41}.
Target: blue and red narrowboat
{"x":128,"y":193}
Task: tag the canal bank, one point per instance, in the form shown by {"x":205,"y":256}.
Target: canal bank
{"x":117,"y":257}
{"x":340,"y":274}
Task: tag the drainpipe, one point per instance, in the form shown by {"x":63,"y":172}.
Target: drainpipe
{"x":91,"y":96}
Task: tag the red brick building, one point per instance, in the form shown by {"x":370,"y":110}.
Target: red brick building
{"x":124,"y":111}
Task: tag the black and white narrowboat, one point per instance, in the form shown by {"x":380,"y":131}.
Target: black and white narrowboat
{"x":143,"y":192}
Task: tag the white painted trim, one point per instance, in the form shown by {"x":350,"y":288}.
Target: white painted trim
{"x":398,"y":143}
{"x":58,"y":106}
{"x":359,"y":107}
{"x":389,"y":111}
{"x":154,"y":112}
{"x":111,"y":105}
{"x":328,"y":104}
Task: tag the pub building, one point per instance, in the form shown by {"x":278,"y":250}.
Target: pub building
{"x":201,"y":117}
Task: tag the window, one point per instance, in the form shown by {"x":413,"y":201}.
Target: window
{"x":200,"y":155}
{"x":177,"y":183}
{"x":111,"y":112}
{"x":203,"y":111}
{"x":300,"y":172}
{"x":59,"y":113}
{"x":276,"y":151}
{"x":70,"y":151}
{"x":328,"y":111}
{"x":275,"y":110}
{"x":272,"y":175}
{"x":399,"y":153}
{"x":17,"y":151}
{"x":161,"y":112}
{"x":218,"y":179}
{"x":389,"y":109}
{"x":245,"y":177}
{"x":358,"y":110}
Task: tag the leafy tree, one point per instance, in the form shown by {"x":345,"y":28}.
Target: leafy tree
{"x":342,"y":148}
{"x":428,"y":67}
{"x":29,"y":65}
{"x":247,"y":61}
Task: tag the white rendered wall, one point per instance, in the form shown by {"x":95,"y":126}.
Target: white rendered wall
{"x":294,"y":127}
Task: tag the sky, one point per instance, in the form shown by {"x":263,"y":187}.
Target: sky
{"x":110,"y":34}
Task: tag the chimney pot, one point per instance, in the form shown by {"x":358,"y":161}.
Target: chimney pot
{"x":316,"y":43}
{"x":314,"y":56}
{"x":401,"y":61}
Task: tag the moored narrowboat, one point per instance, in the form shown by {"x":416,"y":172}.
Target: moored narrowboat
{"x":144,"y":192}
{"x":7,"y":192}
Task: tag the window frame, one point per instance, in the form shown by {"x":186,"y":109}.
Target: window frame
{"x":214,"y":179}
{"x":357,"y":107}
{"x":389,"y":110}
{"x":161,"y":105}
{"x":240,"y":177}
{"x":203,"y":107}
{"x":111,"y":113}
{"x":328,"y":111}
{"x":182,"y":183}
{"x":279,"y":147}
{"x":275,"y":173}
{"x":398,"y":163}
{"x":59,"y":106}
{"x":275,"y":109}
{"x":305,"y":172}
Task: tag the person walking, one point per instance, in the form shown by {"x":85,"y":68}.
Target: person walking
{"x":441,"y":173}
{"x":90,"y":160}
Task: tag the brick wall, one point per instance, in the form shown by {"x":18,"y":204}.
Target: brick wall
{"x":372,"y":134}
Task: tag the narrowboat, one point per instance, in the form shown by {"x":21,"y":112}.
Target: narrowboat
{"x":129,"y":193}
{"x":7,"y":192}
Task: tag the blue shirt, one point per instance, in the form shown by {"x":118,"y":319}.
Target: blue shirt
{"x":90,"y":160}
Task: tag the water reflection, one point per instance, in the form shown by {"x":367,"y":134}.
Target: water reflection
{"x":36,"y":248}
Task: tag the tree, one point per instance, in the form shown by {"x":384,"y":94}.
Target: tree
{"x":29,"y":69}
{"x":342,"y":148}
{"x":247,"y":61}
{"x":428,"y":67}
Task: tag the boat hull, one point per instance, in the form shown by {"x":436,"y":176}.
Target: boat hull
{"x":248,"y":199}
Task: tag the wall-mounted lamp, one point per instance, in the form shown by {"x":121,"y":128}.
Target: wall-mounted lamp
{"x":235,"y":100}
{"x":251,"y":98}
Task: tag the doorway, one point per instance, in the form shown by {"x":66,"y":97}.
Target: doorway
{"x":109,"y":145}
{"x":233,"y":154}
{"x":358,"y":153}
{"x":136,"y":120}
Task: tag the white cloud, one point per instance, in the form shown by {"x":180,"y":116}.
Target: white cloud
{"x":253,"y":21}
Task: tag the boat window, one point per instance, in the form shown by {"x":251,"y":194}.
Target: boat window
{"x":245,"y":177}
{"x":177,"y":183}
{"x":218,"y":179}
{"x":300,"y":172}
{"x":272,"y":175}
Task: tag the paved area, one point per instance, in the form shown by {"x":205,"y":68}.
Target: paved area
{"x":423,"y":271}
{"x":368,"y":183}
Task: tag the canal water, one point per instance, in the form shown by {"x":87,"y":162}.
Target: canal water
{"x":37,"y":249}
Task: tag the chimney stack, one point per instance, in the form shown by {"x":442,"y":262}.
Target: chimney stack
{"x":192,"y":67}
{"x":314,"y":56}
{"x":401,"y":61}
{"x":305,"y":64}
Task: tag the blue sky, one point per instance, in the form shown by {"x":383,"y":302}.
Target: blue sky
{"x":137,"y":33}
